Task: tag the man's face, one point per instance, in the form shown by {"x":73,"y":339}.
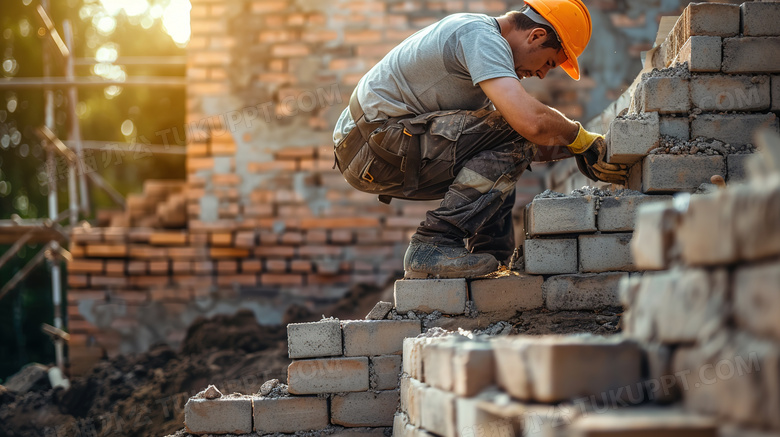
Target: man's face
{"x":531,"y":59}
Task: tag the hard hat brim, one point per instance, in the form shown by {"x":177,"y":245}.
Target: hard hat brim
{"x":571,"y":66}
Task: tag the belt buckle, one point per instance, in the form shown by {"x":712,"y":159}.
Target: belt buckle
{"x":367,"y":176}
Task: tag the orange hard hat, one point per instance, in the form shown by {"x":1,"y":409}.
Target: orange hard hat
{"x":571,"y":21}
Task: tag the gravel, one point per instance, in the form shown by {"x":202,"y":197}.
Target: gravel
{"x":699,"y":146}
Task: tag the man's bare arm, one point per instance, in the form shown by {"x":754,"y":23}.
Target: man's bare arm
{"x":531,"y":118}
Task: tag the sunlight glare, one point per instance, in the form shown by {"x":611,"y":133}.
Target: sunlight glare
{"x":107,"y":53}
{"x":176,"y":20}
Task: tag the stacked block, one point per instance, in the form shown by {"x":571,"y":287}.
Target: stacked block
{"x":344,"y":373}
{"x":721,"y":254}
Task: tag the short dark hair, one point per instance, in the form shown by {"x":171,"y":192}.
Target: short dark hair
{"x":522,"y":22}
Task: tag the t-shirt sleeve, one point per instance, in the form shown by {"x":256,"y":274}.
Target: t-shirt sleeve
{"x":485,"y":55}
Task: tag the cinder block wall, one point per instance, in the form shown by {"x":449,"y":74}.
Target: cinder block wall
{"x":267,"y":221}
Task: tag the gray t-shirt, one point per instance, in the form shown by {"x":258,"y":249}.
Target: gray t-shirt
{"x":438,"y":68}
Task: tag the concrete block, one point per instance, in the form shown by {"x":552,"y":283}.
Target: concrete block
{"x":447,"y":296}
{"x":775,"y":85}
{"x":380,"y":311}
{"x":561,"y":215}
{"x":377,"y":337}
{"x":225,"y":415}
{"x":760,"y":18}
{"x":700,"y":308}
{"x":644,"y":421}
{"x":666,"y":95}
{"x":411,"y":399}
{"x":289,"y":414}
{"x":316,"y":339}
{"x":555,"y":368}
{"x":712,"y":19}
{"x":544,"y":256}
{"x":734,"y":377}
{"x":756,"y":299}
{"x":605,"y":253}
{"x":384,"y":372}
{"x":706,"y":232}
{"x":505,"y":296}
{"x":618,"y":213}
{"x":438,"y":412}
{"x":677,"y":127}
{"x":654,"y":237}
{"x":412,"y":357}
{"x":400,"y":421}
{"x":328,"y":375}
{"x":702,"y":53}
{"x":630,"y":138}
{"x":583,"y":291}
{"x":364,"y":409}
{"x":437,"y":362}
{"x":723,"y":92}
{"x":749,"y":55}
{"x":661,"y":384}
{"x":472,"y":368}
{"x":673,"y":173}
{"x":523,"y":419}
{"x":472,"y":420}
{"x":755,"y":219}
{"x":736,"y":165}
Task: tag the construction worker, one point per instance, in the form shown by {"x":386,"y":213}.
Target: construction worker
{"x":444,"y":116}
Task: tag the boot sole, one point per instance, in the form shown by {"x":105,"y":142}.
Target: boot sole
{"x":423,"y":275}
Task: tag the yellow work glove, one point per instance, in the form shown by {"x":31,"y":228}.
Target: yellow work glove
{"x":590,"y":151}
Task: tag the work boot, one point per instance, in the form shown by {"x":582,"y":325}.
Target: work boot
{"x":430,"y":260}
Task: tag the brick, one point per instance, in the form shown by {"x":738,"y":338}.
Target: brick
{"x":677,"y":127}
{"x":648,"y":421}
{"x":712,"y":19}
{"x":411,"y":399}
{"x":506,"y":296}
{"x":377,"y":337}
{"x":736,"y":165}
{"x":551,"y":368}
{"x":181,"y":267}
{"x":755,"y":224}
{"x":775,"y":85}
{"x":181,"y":253}
{"x":673,"y":173}
{"x":427,"y":295}
{"x":78,"y":281}
{"x":159,"y":267}
{"x":203,"y":267}
{"x":756,"y":300}
{"x":228,"y":252}
{"x":734,"y":376}
{"x":702,"y":53}
{"x":736,"y":129}
{"x":221,"y":239}
{"x":545,"y":256}
{"x":618,"y":213}
{"x":380,"y":311}
{"x":340,"y":223}
{"x":629,"y":139}
{"x":279,"y":251}
{"x":328,"y":375}
{"x":384,"y":372}
{"x":708,"y":216}
{"x":472,"y":419}
{"x":168,"y":238}
{"x":605,"y":253}
{"x":748,"y":55}
{"x":289,"y":414}
{"x":561,"y":215}
{"x":438,"y":412}
{"x":730,"y":92}
{"x":473,"y":368}
{"x":276,"y":265}
{"x":147,"y":252}
{"x":365,"y":409}
{"x":656,"y":224}
{"x":248,"y":280}
{"x":316,"y":339}
{"x":412,"y":362}
{"x":760,"y":19}
{"x":437,"y":361}
{"x":86,"y":266}
{"x":111,"y":281}
{"x":220,"y":416}
{"x":106,"y":250}
{"x":582,"y":291}
{"x":666,"y":95}
{"x":700,"y":306}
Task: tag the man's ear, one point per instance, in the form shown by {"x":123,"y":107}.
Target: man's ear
{"x":537,"y":36}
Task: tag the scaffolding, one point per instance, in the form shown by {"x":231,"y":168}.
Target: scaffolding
{"x":51,"y":232}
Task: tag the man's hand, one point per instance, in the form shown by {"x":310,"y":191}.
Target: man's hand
{"x":590,"y":151}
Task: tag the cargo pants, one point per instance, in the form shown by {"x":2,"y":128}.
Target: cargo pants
{"x":469,"y":159}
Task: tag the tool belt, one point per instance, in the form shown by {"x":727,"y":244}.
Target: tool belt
{"x":360,"y":137}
